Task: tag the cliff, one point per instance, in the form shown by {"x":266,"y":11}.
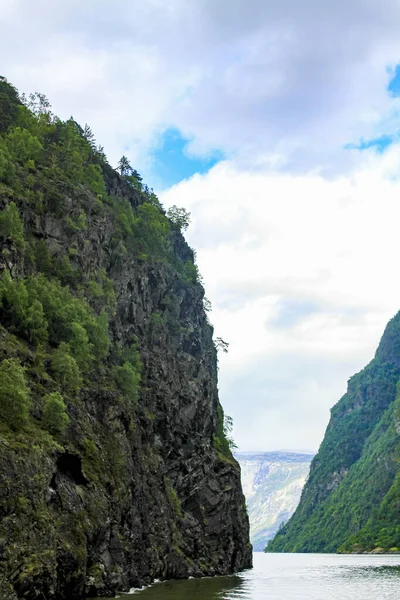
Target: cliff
{"x":351,"y":500}
{"x":272,"y":484}
{"x":114,"y":465}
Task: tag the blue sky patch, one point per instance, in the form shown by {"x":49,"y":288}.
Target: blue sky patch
{"x":171,"y":162}
{"x":394,"y":83}
{"x":380,"y":143}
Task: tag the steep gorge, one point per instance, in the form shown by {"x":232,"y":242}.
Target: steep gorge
{"x":272,"y":484}
{"x":135,"y":480}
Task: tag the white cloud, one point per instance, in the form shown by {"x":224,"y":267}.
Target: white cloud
{"x":326,"y":248}
{"x":286,"y":82}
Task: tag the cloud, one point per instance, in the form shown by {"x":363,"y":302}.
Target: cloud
{"x":290,"y":311}
{"x":302,"y":290}
{"x":283,"y":400}
{"x":284,"y":83}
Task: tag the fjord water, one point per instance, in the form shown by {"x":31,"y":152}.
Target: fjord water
{"x":292,"y":577}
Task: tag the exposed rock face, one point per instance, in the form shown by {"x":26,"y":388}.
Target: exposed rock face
{"x":272,"y":484}
{"x":131,"y":494}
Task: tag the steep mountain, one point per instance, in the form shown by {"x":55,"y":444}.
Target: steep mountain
{"x":351,"y":501}
{"x":114,"y":464}
{"x":272,"y":484}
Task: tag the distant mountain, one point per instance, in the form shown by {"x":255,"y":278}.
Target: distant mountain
{"x":272,"y":483}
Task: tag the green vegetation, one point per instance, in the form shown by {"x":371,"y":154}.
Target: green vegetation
{"x":55,"y":416}
{"x":128,"y":375}
{"x":179,"y":217}
{"x":11,"y":226}
{"x":351,"y":500}
{"x":128,"y":380}
{"x":14,"y":394}
{"x":223,"y":440}
{"x":65,"y":369}
{"x":173,"y":497}
{"x":9,"y":103}
{"x":130,"y":174}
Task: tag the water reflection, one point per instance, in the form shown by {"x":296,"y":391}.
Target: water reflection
{"x":194,"y":589}
{"x":292,"y":577}
{"x":381,"y":572}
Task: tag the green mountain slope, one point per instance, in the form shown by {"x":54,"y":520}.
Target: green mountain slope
{"x":115,"y":468}
{"x":351,"y":501}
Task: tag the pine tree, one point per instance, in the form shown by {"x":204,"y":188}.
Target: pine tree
{"x":124,"y":166}
{"x":89,"y":136}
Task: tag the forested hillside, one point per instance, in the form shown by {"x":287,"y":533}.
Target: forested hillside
{"x":351,"y":501}
{"x":115,"y":467}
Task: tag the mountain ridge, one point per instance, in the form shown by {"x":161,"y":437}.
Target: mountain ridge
{"x":351,"y":500}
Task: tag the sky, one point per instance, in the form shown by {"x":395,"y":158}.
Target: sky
{"x":277,"y":125}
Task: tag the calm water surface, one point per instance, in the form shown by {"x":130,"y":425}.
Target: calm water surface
{"x":292,"y":577}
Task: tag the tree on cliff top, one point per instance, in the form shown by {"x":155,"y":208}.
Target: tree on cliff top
{"x":9,"y":102}
{"x":179,"y":217}
{"x":129,"y":173}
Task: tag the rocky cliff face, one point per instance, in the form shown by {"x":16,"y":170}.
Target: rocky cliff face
{"x":350,"y":502}
{"x":141,"y":484}
{"x":272,"y":484}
